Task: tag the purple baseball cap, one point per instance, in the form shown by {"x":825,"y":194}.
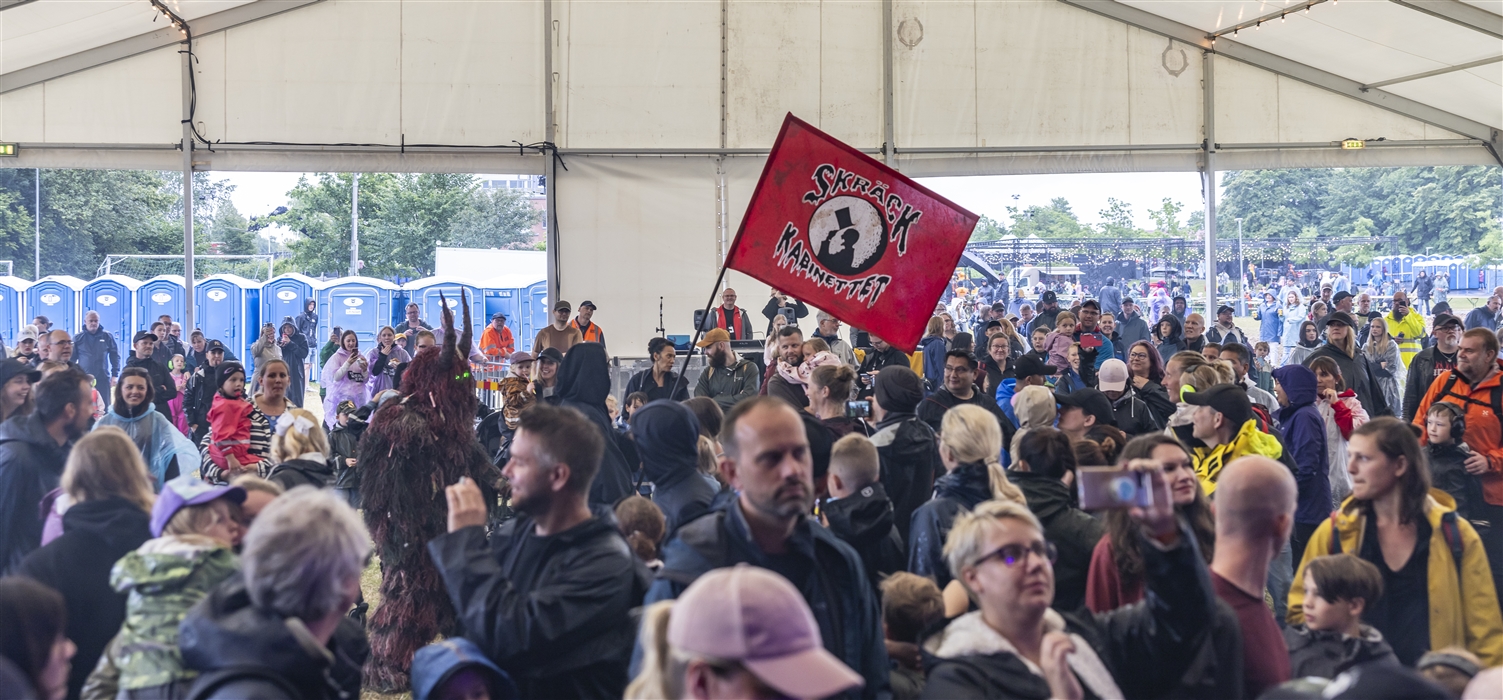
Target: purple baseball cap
{"x":521,"y":356}
{"x":758,"y":618}
{"x":187,"y":490}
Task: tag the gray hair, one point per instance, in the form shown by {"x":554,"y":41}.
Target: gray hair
{"x":824,"y":316}
{"x":302,"y":553}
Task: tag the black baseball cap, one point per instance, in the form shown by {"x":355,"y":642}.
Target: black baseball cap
{"x":1048,"y":297}
{"x":1029,"y":366}
{"x":143,"y":335}
{"x":994,"y":323}
{"x":1340,"y":296}
{"x":551,"y":355}
{"x":1090,"y":304}
{"x":588,"y":303}
{"x":10,"y":369}
{"x":498,"y":315}
{"x":213,"y":345}
{"x":1444,"y":319}
{"x":1225,"y":309}
{"x":1229,"y":400}
{"x":1093,"y":402}
{"x":1341,"y":317}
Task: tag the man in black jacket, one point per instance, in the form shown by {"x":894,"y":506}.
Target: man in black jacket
{"x":32,"y":452}
{"x":907,"y":445}
{"x":1045,"y":472}
{"x":880,"y":356}
{"x":201,"y":387}
{"x":549,"y":598}
{"x":959,"y":388}
{"x":164,"y":390}
{"x":1431,"y":362}
{"x":1133,"y":416}
{"x":767,"y":462}
{"x":302,"y":560}
{"x":96,"y":352}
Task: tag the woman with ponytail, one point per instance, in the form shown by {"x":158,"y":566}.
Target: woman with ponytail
{"x":643,"y":525}
{"x":970,"y":446}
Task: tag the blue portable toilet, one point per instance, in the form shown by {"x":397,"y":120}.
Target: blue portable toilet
{"x":426,"y":292}
{"x":521,"y":298}
{"x":12,"y":293}
{"x":113,"y":297}
{"x":229,"y":310}
{"x":360,"y":304}
{"x":160,"y":295}
{"x":286,"y":295}
{"x":57,"y":298}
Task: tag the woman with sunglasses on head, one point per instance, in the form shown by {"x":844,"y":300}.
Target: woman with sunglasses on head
{"x":1017,"y":646}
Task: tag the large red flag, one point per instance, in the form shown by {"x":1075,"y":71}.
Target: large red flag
{"x":834,"y":227}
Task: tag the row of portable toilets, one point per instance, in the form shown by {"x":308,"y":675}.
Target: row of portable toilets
{"x":232,"y":308}
{"x":1463,"y":275}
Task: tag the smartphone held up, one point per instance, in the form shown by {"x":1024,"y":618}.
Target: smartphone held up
{"x":1113,"y":488}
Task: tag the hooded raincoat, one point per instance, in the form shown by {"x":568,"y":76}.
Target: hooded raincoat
{"x":383,"y":368}
{"x":1305,"y":436}
{"x":584,"y":381}
{"x":1271,"y":325}
{"x":864,"y":520}
{"x":1175,"y":341}
{"x":343,"y":379}
{"x":1209,"y":461}
{"x":160,"y":443}
{"x":1463,"y":603}
{"x":667,"y":437}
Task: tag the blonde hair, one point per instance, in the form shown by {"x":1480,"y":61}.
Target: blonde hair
{"x":104,"y":464}
{"x":47,"y":367}
{"x":968,"y":535}
{"x":297,"y":440}
{"x":196,"y":520}
{"x":1372,"y":339}
{"x":910,"y":603}
{"x":971,"y":434}
{"x":251,"y":482}
{"x":815,"y":345}
{"x":655,"y":681}
{"x":854,"y":458}
{"x":1204,"y":377}
{"x":936,"y":326}
{"x":1063,"y":316}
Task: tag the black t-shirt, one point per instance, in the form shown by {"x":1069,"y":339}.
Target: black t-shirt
{"x":1443,"y":363}
{"x":1402,"y":613}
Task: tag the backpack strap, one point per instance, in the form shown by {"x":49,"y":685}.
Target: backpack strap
{"x":1452,"y":534}
{"x":211,"y":682}
{"x":1335,"y":536}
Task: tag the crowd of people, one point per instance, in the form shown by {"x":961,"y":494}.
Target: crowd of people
{"x":831,"y":518}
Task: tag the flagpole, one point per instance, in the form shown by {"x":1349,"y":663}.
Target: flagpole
{"x":699,"y":327}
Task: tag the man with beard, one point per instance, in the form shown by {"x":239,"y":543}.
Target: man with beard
{"x":790,"y":352}
{"x":1088,"y":332}
{"x":767,"y":462}
{"x":1048,"y":309}
{"x":33,"y":450}
{"x":558,"y":566}
{"x":1432,"y":362}
{"x":731,"y":318}
{"x":1178,"y":308}
{"x":163,"y":388}
{"x":1405,"y":327}
{"x":959,"y":388}
{"x":727,"y":379}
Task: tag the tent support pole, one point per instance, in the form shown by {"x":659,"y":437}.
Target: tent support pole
{"x":889,"y":157}
{"x":187,"y":81}
{"x":699,"y":328}
{"x":550,"y":172}
{"x":1208,"y":88}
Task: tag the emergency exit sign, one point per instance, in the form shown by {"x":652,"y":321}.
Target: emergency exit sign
{"x":8,"y":150}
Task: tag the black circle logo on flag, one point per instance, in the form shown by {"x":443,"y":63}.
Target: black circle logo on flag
{"x":848,"y":235}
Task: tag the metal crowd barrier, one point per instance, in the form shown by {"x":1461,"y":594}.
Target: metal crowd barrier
{"x":488,"y":378}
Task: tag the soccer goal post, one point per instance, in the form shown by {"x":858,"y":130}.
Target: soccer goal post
{"x":142,"y":267}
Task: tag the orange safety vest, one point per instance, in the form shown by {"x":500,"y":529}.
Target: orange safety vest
{"x":591,"y":333}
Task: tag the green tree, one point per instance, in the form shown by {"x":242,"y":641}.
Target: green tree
{"x":988,"y":229}
{"x":1273,"y":203}
{"x":318,"y":212}
{"x":1116,"y":219}
{"x":500,"y":218}
{"x":231,"y":230}
{"x":1053,"y":221}
{"x":417,"y":215}
{"x":1166,"y":219}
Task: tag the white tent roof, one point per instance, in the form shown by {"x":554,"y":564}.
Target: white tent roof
{"x":662,"y":111}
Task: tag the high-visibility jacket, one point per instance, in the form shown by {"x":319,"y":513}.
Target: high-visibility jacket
{"x":1484,"y":433}
{"x":1407,"y":333}
{"x":497,"y":345}
{"x":590,"y":333}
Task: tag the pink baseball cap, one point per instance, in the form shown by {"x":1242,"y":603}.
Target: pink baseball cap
{"x":758,"y":618}
{"x":1112,"y":376}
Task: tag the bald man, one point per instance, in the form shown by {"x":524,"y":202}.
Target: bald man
{"x":1254,"y":515}
{"x":732,"y":318}
{"x":1195,"y":333}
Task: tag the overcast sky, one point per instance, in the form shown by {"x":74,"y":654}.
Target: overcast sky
{"x":257,"y":194}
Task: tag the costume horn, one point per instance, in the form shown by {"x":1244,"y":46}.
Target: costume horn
{"x":466,"y":336}
{"x":447,"y":317}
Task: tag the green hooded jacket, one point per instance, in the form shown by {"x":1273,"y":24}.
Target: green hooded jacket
{"x":163,"y":579}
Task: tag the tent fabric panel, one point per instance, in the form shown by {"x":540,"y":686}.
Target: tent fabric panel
{"x":136,"y":100}
{"x":23,"y":115}
{"x":1165,"y":107}
{"x":471,"y":72}
{"x":1476,"y":93}
{"x":850,"y":72}
{"x":934,"y":73}
{"x":641,"y":75}
{"x":38,"y":32}
{"x":634,"y":229}
{"x":327,"y":73}
{"x":1035,"y":89}
{"x":820,"y":61}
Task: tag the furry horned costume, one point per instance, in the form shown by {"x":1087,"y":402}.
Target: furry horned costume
{"x":415,"y":446}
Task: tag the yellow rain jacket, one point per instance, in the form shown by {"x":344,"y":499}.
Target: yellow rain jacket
{"x":1407,"y":333}
{"x":1209,"y":461}
{"x":1463,"y":612}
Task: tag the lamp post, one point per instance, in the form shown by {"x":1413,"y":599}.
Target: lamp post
{"x":1241,"y":274}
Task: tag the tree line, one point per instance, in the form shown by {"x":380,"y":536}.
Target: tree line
{"x":88,"y":214}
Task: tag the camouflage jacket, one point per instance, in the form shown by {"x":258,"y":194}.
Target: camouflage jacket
{"x":163,"y":579}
